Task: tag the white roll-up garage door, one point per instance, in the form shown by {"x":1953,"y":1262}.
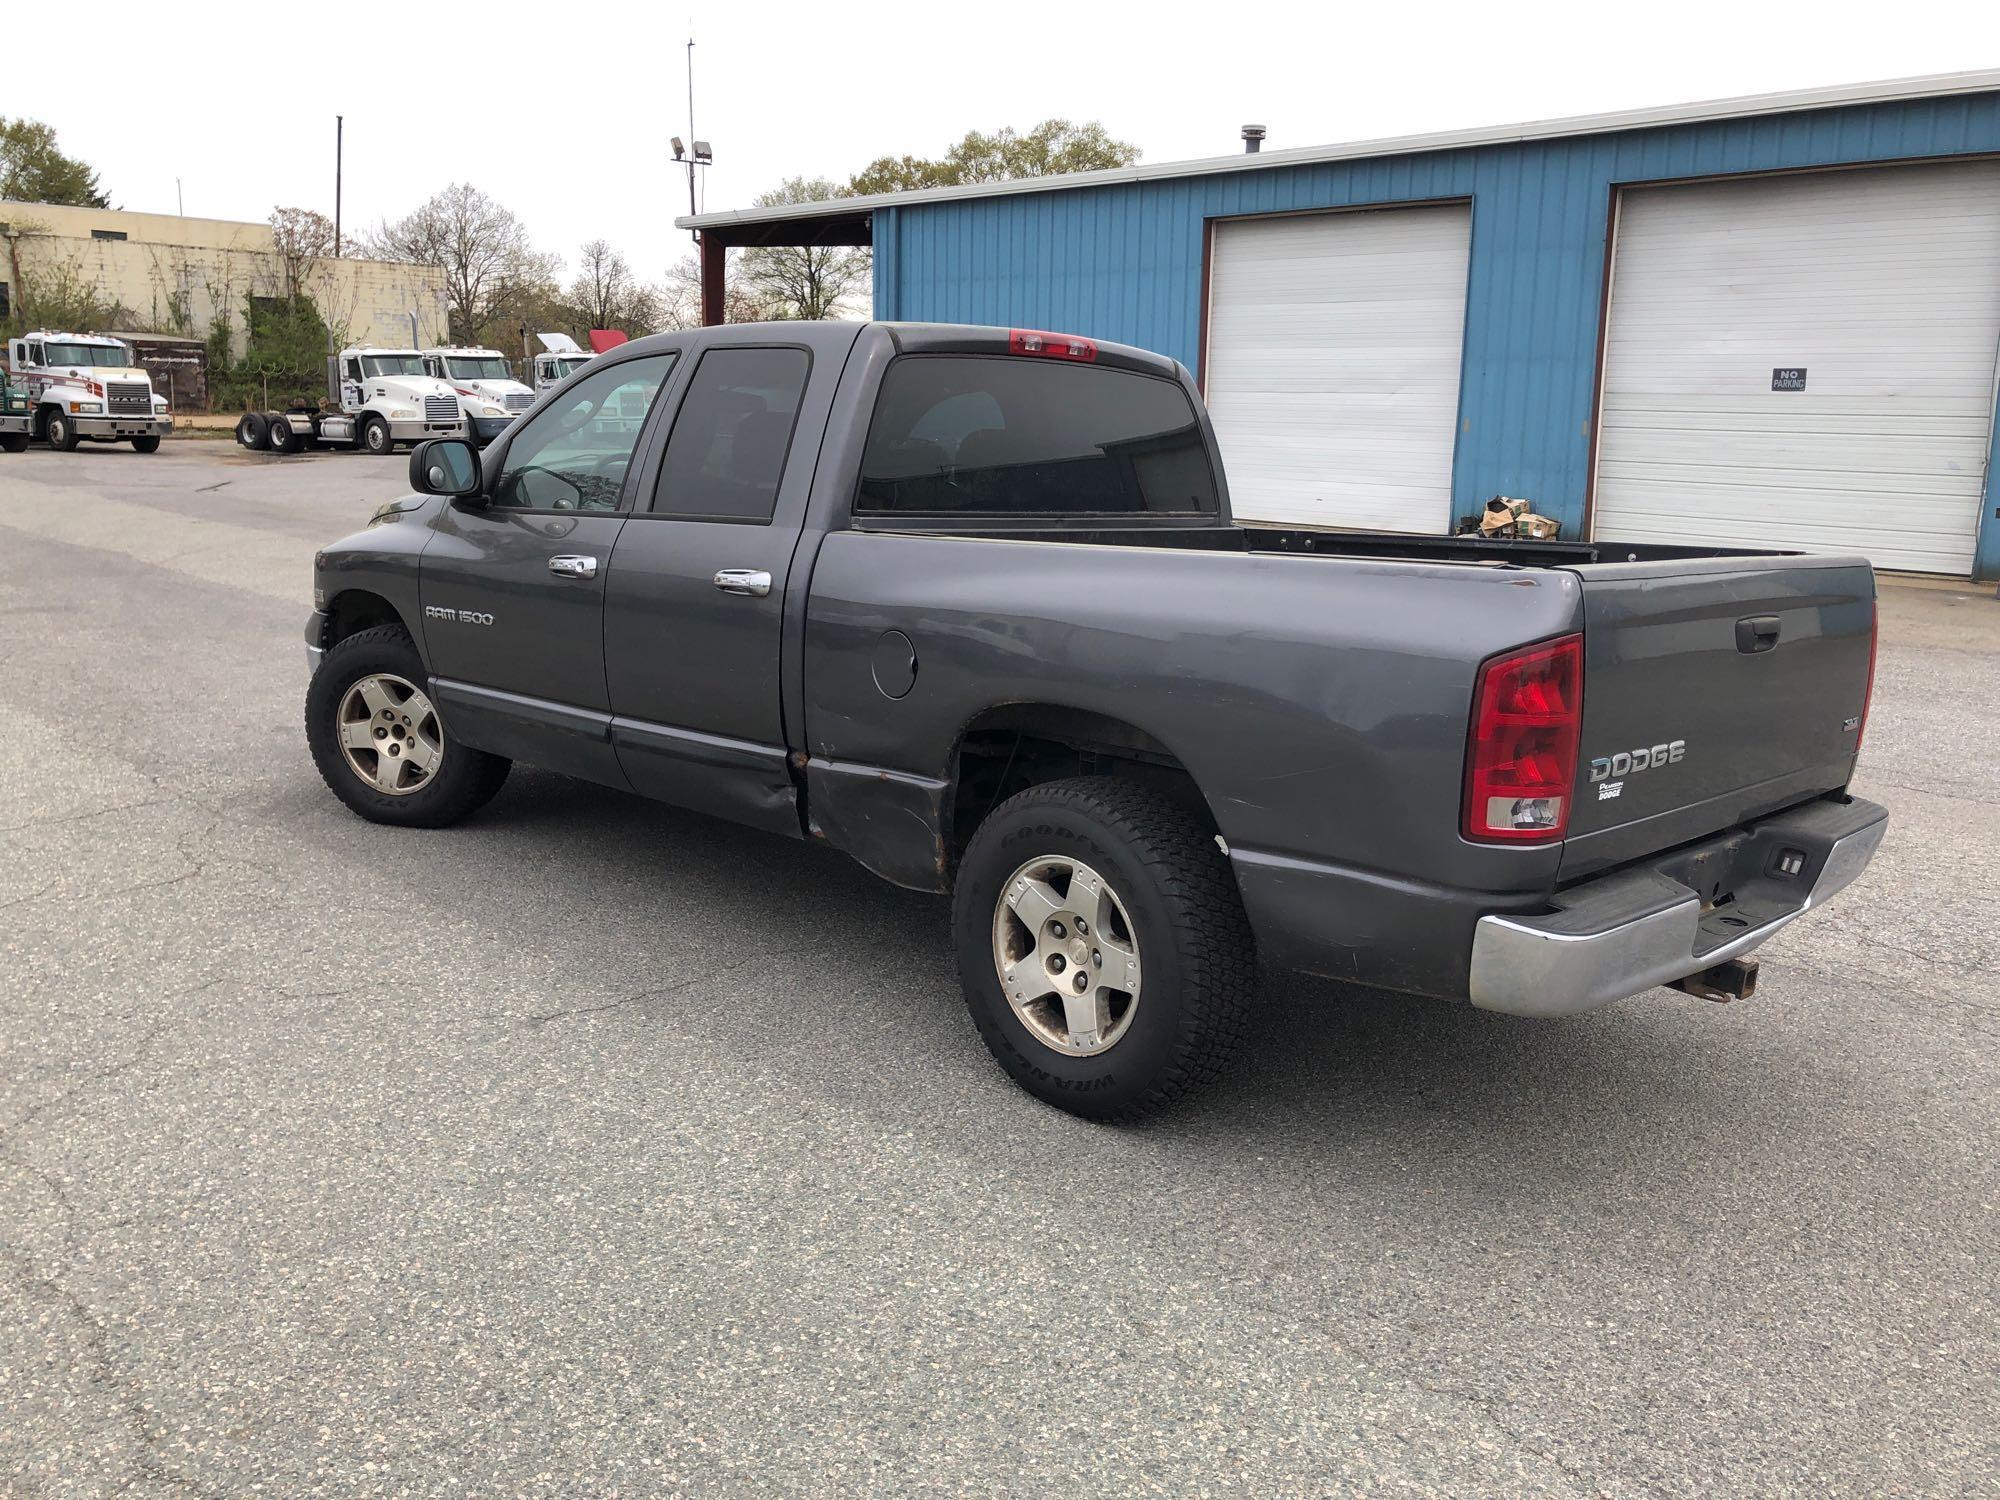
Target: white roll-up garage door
{"x":1334,"y":346}
{"x":1806,"y":362}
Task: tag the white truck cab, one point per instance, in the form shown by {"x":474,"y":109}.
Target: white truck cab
{"x":485,"y":384}
{"x":85,"y":387}
{"x":561,"y":357}
{"x":375,"y":399}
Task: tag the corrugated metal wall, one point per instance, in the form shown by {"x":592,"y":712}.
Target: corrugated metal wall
{"x":1125,"y":263}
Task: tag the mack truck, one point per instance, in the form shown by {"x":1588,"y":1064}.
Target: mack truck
{"x":375,"y":399}
{"x":486,"y":385}
{"x":84,"y":387}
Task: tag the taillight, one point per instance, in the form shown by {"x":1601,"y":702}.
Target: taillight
{"x":1868,"y":692}
{"x":1527,"y":714}
{"x":1050,"y":345}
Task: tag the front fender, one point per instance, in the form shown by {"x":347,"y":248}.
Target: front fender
{"x":359,"y":577}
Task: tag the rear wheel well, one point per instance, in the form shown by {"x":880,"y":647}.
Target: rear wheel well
{"x":1007,"y":750}
{"x":355,"y":611}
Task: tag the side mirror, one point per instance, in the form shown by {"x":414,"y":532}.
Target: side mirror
{"x":444,"y":466}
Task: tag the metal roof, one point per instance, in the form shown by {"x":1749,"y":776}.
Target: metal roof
{"x":1891,"y":90}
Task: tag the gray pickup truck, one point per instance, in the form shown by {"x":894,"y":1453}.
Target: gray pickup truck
{"x":968,"y":604}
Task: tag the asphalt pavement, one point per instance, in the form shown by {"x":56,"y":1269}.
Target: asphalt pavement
{"x":595,"y":1148}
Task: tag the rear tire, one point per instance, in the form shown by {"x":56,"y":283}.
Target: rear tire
{"x":253,"y":431}
{"x":375,"y":436}
{"x":279,"y":434}
{"x":149,"y":444}
{"x":460,"y":779}
{"x":1156,"y":894}
{"x":61,"y":432}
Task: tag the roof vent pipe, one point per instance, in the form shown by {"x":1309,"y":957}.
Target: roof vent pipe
{"x":1253,"y":139}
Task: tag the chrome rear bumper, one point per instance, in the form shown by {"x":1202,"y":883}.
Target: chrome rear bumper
{"x":1636,"y":928}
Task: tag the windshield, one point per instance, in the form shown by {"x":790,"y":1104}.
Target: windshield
{"x":108,"y":356}
{"x":485,"y":367}
{"x":393,"y":364}
{"x":568,"y":367}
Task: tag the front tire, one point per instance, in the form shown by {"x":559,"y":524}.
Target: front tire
{"x":13,"y":442}
{"x":1113,"y":883}
{"x":61,"y":432}
{"x":148,"y":444}
{"x":380,"y":744}
{"x":375,"y":435}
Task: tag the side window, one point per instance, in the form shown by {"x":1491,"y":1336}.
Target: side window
{"x":1007,"y":435}
{"x":573,"y":455}
{"x":354,"y":370}
{"x":731,"y":436}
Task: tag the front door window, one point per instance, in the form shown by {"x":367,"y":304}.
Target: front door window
{"x":573,"y":455}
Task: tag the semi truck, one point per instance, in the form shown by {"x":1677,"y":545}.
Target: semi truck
{"x":375,"y":399}
{"x":17,"y":416}
{"x":84,"y":387}
{"x":561,"y":357}
{"x":485,"y":385}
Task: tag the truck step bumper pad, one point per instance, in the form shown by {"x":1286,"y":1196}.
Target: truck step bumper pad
{"x":1672,"y":916}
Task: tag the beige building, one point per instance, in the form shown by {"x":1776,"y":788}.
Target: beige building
{"x":175,"y":275}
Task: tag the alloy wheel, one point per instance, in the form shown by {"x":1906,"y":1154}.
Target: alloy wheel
{"x":1066,"y":954}
{"x":390,"y":735}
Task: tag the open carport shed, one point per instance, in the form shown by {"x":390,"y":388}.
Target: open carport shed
{"x":1765,"y":321}
{"x":841,"y":222}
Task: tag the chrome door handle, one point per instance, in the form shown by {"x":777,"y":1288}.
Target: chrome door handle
{"x":569,"y":565}
{"x":743,"y":581}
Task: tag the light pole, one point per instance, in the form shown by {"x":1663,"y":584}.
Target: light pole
{"x":699,"y":153}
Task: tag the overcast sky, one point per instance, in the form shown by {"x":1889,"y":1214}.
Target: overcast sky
{"x":563,"y":111}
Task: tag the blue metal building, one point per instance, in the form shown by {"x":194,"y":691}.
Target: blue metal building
{"x":1618,"y":292}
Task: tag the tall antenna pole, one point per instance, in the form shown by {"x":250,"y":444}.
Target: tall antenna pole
{"x":339,"y":145}
{"x":691,"y":135}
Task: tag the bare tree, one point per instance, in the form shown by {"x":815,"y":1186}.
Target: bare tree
{"x":605,"y":293}
{"x":679,"y":295}
{"x":301,"y":239}
{"x":481,"y":247}
{"x":804,"y":281}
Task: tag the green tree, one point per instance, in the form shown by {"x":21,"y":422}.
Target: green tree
{"x":1051,"y":147}
{"x":34,"y":170}
{"x":284,"y":358}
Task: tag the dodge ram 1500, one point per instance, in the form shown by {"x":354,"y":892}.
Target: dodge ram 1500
{"x":968,"y":604}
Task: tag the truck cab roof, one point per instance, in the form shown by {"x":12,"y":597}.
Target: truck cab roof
{"x":52,"y":335}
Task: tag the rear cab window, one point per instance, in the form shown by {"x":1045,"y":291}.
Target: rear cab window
{"x":1002,"y":435}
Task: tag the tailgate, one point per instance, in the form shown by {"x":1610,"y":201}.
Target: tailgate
{"x":1714,"y":691}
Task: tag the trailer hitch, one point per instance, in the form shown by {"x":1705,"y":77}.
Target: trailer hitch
{"x":1735,"y":979}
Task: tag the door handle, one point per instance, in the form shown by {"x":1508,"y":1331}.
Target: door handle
{"x":1758,"y":633}
{"x":743,"y":581}
{"x":569,"y":565}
